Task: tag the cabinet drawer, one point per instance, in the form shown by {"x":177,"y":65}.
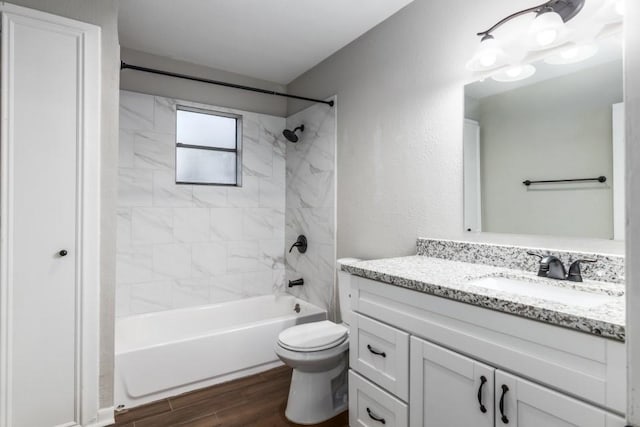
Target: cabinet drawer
{"x":370,"y":406}
{"x":381,"y":354}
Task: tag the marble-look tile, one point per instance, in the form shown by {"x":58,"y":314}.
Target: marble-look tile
{"x":152,"y":150}
{"x":151,"y":296}
{"x":151,"y":225}
{"x":125,"y":148}
{"x":247,"y":196}
{"x":172,"y":261}
{"x":225,"y":288}
{"x":608,"y":268}
{"x":164,"y":115}
{"x":242,"y":256}
{"x":123,"y":237}
{"x":191,"y":224}
{"x":190,"y":292}
{"x":258,"y":224}
{"x":135,"y":187}
{"x":210,"y":196}
{"x":166,"y":193}
{"x":134,"y":264}
{"x":272,"y":194}
{"x":310,"y":179}
{"x":226,"y":224}
{"x":208,"y":259}
{"x":272,"y":254}
{"x":317,"y":224}
{"x":136,"y":111}
{"x":257,"y":283}
{"x":123,"y":300}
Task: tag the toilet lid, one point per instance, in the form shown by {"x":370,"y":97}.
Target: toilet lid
{"x":313,"y":336}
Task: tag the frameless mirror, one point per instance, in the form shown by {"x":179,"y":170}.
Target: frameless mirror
{"x":563,"y":124}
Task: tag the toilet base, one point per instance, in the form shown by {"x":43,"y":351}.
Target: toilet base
{"x":315,"y":397}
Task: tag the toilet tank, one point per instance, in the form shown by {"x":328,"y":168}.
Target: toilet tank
{"x":344,"y":289}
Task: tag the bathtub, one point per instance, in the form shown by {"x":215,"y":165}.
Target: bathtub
{"x":163,"y":354}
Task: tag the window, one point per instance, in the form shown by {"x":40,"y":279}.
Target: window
{"x":208,"y":147}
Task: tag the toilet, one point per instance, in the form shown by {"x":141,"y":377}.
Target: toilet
{"x":318,"y":352}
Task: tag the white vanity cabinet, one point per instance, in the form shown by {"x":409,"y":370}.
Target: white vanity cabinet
{"x":470,"y":366}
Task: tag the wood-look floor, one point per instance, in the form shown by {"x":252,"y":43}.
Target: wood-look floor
{"x":257,"y":401}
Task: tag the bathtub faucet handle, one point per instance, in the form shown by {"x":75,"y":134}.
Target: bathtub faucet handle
{"x":301,"y":244}
{"x":298,"y":282}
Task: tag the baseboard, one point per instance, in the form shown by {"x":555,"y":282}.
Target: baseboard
{"x":105,"y":417}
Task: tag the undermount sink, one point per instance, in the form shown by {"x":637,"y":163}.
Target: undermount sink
{"x":543,"y":290}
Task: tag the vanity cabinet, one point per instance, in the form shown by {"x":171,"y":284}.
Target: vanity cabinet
{"x":469,"y":366}
{"x":449,"y":389}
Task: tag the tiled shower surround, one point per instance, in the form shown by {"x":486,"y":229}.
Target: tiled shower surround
{"x":311,"y":203}
{"x":187,"y":245}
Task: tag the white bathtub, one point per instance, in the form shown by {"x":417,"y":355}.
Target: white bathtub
{"x":171,"y":352}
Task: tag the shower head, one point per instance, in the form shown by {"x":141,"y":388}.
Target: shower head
{"x":291,"y":134}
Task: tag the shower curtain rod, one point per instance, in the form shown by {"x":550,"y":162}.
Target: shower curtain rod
{"x":125,"y":66}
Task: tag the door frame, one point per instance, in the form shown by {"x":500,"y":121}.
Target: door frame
{"x":87,"y":208}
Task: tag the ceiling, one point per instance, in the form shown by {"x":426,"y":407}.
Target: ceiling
{"x":274,"y":40}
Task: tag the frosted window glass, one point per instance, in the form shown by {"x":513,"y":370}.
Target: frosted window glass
{"x":206,"y":129}
{"x":205,"y":166}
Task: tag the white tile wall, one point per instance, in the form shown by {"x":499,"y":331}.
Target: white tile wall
{"x":310,"y":204}
{"x":184,"y":245}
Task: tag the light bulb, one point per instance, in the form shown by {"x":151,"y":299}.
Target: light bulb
{"x":513,"y":71}
{"x":572,"y":54}
{"x":546,"y":37}
{"x":545,"y":28}
{"x":488,"y":55}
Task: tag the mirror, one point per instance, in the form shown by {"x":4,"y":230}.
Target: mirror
{"x":563,"y":123}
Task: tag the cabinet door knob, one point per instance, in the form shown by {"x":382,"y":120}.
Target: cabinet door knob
{"x":63,"y":252}
{"x":483,"y":381}
{"x":504,"y":418}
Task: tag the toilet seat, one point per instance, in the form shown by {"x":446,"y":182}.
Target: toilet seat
{"x":311,"y":337}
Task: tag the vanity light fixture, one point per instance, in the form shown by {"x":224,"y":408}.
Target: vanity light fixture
{"x":546,"y":28}
{"x":546,"y":31}
{"x":514,"y":73}
{"x":572,"y":53}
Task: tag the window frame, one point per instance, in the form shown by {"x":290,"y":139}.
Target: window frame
{"x":237,"y":150}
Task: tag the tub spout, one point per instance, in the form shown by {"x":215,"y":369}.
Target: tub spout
{"x":298,"y":282}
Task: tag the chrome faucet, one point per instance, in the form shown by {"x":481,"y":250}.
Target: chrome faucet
{"x":550,"y":266}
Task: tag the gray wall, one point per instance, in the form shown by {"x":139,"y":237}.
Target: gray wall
{"x":399,"y":154}
{"x":170,"y":87}
{"x":103,"y":13}
{"x":558,"y":128}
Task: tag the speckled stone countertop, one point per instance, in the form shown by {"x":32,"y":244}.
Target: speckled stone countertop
{"x":451,"y":279}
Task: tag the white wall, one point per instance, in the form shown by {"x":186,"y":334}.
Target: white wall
{"x":310,"y":204}
{"x":556,"y":129}
{"x":399,"y":158}
{"x":188,"y":245}
{"x":103,"y":13}
{"x":632,"y":106}
{"x":171,"y":87}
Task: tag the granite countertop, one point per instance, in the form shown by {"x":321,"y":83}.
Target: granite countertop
{"x":451,"y":279}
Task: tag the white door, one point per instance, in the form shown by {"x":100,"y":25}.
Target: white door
{"x":49,"y":250}
{"x":448,"y":389}
{"x":472,"y":185}
{"x":520,"y":403}
{"x":618,"y":171}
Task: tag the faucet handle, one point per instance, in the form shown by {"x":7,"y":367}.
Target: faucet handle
{"x":543,"y":269}
{"x":575,"y":274}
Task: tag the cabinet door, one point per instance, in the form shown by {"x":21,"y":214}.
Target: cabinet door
{"x":448,"y":389}
{"x":520,"y":403}
{"x":49,"y":256}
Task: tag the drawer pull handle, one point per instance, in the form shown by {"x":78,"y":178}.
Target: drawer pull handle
{"x":376,"y":352}
{"x":483,"y":381}
{"x":374,"y":417}
{"x":504,"y":418}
